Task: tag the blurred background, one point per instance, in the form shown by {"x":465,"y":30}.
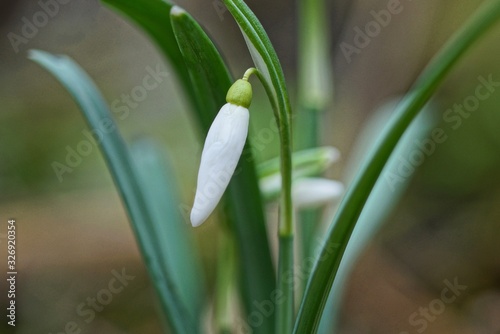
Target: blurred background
{"x":73,"y":235}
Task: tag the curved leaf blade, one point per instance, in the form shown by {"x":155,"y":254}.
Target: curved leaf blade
{"x":263,"y":55}
{"x":125,"y":177}
{"x":208,"y":74}
{"x":177,"y":249}
{"x":382,"y":201}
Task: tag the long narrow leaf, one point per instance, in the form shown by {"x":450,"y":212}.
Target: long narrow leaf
{"x":208,"y":74}
{"x":340,"y":231}
{"x":177,"y":250}
{"x":125,"y":176}
{"x":211,"y":80}
{"x":385,"y":196}
{"x":263,"y":54}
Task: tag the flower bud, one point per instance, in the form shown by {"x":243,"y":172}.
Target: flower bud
{"x":311,"y":192}
{"x":222,"y":150}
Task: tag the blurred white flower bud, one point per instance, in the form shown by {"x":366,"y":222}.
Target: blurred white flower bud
{"x":306,"y":164}
{"x":311,"y":192}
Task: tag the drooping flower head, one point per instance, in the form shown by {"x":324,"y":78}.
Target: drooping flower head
{"x":222,"y":150}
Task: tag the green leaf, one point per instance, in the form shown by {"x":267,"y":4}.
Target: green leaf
{"x":385,"y":195}
{"x":208,"y":74}
{"x":211,"y":80}
{"x":264,"y":57}
{"x":178,"y":252}
{"x":126,"y":178}
{"x":338,"y":235}
{"x":306,"y":162}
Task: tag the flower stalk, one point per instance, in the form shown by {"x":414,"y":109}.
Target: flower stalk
{"x":285,"y":285}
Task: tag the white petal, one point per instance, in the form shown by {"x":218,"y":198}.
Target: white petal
{"x":332,"y":155}
{"x":270,"y":185}
{"x":320,"y":160}
{"x":221,"y":153}
{"x":309,"y":192}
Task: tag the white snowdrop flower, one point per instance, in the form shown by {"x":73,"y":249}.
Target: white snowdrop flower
{"x":310,"y":192}
{"x":222,"y":150}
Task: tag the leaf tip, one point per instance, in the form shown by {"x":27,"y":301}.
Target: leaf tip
{"x":33,"y":54}
{"x":177,"y":11}
{"x":44,"y":58}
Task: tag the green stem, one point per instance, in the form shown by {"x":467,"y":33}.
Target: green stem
{"x":328,"y":262}
{"x":315,"y":79}
{"x":249,"y":72}
{"x":286,"y":226}
{"x":225,"y":275}
{"x":286,"y":275}
{"x":285,"y":309}
{"x":267,"y":88}
{"x":315,"y":96}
